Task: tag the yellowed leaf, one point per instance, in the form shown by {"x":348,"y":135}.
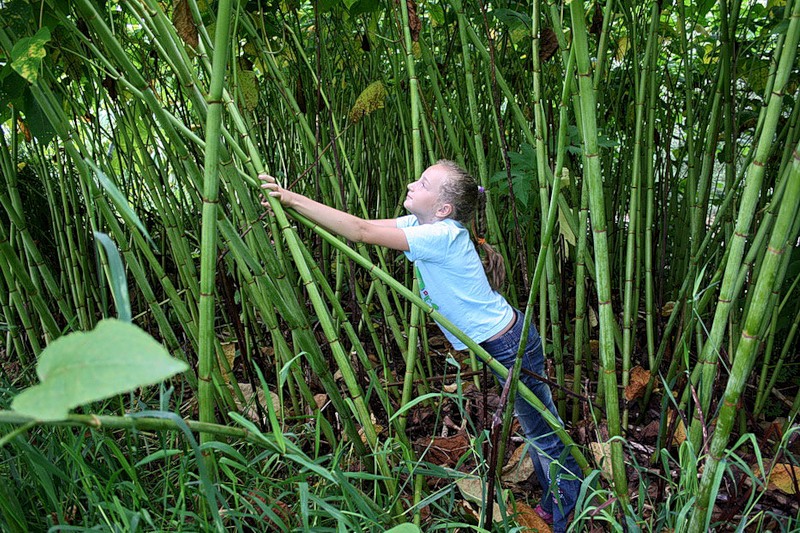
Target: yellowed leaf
{"x":784,"y":477}
{"x":622,"y":48}
{"x":593,"y":321}
{"x":564,"y":228}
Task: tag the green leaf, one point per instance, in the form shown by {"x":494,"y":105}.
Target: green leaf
{"x":404,"y":528}
{"x":119,"y":201}
{"x":36,"y":120}
{"x":248,"y":84}
{"x":360,"y":7}
{"x":512,"y":19}
{"x":27,"y":54}
{"x":436,"y":12}
{"x":119,"y":283}
{"x":79,"y":368}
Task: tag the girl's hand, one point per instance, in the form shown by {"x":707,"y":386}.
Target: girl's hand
{"x":271,"y":188}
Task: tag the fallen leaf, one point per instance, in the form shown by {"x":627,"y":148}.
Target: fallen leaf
{"x":602,"y":457}
{"x":639,"y":378}
{"x":472,"y":489}
{"x":519,"y":467}
{"x":320,"y":399}
{"x":444,"y":451}
{"x":680,"y":429}
{"x":529,"y":519}
{"x":783,"y":477}
{"x":229,"y":350}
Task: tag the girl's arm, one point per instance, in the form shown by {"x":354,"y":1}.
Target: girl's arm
{"x":381,"y":232}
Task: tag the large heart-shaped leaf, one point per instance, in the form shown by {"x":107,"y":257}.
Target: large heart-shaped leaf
{"x":79,"y":368}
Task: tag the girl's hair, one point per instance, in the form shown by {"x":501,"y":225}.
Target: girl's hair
{"x":463,"y":193}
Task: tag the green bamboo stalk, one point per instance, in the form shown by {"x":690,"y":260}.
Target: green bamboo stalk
{"x":208,"y":242}
{"x":749,"y":342}
{"x":755,"y":173}
{"x":592,"y":174}
{"x":632,"y":259}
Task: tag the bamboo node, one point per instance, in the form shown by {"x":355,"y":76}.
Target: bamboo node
{"x":746,"y":335}
{"x":774,"y":250}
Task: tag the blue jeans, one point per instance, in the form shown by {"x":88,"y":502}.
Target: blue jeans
{"x":554,"y":465}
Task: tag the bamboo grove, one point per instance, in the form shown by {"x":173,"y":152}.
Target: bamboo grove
{"x":642,"y":163}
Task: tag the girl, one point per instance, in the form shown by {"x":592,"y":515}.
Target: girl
{"x":441,"y":203}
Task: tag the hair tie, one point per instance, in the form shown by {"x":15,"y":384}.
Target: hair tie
{"x":481,"y":190}
{"x":481,"y":241}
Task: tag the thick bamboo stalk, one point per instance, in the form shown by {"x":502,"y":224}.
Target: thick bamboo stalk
{"x":592,"y":173}
{"x":750,"y":339}
{"x":755,"y":172}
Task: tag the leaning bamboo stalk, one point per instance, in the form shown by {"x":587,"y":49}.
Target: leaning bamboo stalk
{"x":750,"y":338}
{"x":414,"y":299}
{"x":785,"y":56}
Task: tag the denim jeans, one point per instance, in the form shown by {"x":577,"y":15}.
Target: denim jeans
{"x":554,"y":466}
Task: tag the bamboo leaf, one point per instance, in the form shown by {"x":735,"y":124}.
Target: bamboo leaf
{"x":85,"y":367}
{"x":119,"y":282}
{"x":404,"y":528}
{"x":36,"y":120}
{"x":119,"y":200}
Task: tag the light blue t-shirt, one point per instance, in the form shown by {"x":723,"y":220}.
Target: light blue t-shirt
{"x":452,"y":279}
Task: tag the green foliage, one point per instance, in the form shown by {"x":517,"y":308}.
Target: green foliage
{"x":84,"y":367}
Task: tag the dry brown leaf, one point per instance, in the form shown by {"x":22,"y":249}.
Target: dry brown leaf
{"x":602,"y":457}
{"x":680,"y":429}
{"x":229,"y":350}
{"x":444,"y":451}
{"x":320,"y":400}
{"x":593,"y":320}
{"x":378,"y":428}
{"x":451,"y":388}
{"x":251,"y":411}
{"x":519,"y":467}
{"x":639,"y":378}
{"x":529,"y":519}
{"x":667,"y":308}
{"x":184,"y":23}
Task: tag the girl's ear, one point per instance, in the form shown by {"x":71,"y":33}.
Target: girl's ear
{"x":444,"y":211}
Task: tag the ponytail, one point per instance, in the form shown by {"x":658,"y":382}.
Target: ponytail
{"x":494,"y":265}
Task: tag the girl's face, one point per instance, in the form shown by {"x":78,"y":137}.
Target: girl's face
{"x":422,"y":199}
